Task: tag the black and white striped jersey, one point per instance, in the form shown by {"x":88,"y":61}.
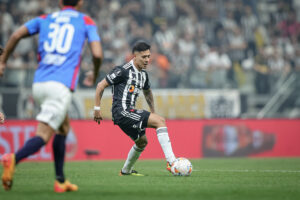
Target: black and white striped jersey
{"x":127,"y":82}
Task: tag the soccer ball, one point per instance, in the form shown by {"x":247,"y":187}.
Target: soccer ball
{"x":181,"y":167}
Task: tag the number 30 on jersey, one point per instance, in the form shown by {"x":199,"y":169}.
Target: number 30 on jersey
{"x":60,"y":38}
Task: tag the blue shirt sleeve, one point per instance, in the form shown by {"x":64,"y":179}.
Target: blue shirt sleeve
{"x":91,"y":29}
{"x":33,"y":25}
{"x":92,"y":34}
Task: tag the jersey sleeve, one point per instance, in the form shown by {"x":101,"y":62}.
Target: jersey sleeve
{"x":147,"y":82}
{"x":115,"y":76}
{"x":33,"y":25}
{"x":91,"y":29}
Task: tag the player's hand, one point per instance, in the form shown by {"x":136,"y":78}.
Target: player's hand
{"x":2,"y":68}
{"x":97,"y":116}
{"x":2,"y":118}
{"x":89,"y":79}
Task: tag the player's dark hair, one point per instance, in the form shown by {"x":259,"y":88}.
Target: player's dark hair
{"x":70,"y":2}
{"x":141,"y":46}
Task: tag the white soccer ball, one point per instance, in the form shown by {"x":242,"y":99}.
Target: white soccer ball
{"x":181,"y":167}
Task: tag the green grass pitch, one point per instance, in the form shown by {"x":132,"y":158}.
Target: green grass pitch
{"x":232,"y":179}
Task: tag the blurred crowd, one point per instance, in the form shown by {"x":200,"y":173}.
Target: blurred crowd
{"x":195,"y":43}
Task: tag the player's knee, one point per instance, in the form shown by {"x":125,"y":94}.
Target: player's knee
{"x":162,"y":121}
{"x":142,"y":143}
{"x":64,"y":129}
{"x":156,"y":121}
{"x":44,"y":131}
{"x":45,"y":136}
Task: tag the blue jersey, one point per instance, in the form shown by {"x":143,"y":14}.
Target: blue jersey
{"x":61,"y":38}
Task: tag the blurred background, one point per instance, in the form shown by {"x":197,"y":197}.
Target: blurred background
{"x":210,"y":58}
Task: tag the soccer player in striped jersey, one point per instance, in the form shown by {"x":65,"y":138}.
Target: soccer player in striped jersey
{"x":61,"y":38}
{"x":127,"y":81}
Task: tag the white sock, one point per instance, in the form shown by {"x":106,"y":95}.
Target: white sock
{"x":165,"y":143}
{"x":132,"y":157}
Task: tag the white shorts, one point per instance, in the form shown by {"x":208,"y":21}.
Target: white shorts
{"x":54,"y":99}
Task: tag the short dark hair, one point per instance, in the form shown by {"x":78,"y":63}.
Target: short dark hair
{"x":141,"y":46}
{"x":70,"y":2}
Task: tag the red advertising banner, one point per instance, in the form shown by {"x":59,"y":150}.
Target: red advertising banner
{"x":190,"y":138}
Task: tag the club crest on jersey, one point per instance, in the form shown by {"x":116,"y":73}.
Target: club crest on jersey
{"x":118,"y":72}
{"x":131,"y":88}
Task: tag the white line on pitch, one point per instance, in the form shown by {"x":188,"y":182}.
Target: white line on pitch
{"x":248,"y":170}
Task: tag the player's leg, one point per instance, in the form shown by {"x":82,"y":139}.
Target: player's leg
{"x":54,"y":99}
{"x":134,"y":154}
{"x":59,"y":149}
{"x":43,"y":135}
{"x":133,"y":123}
{"x":159,"y":123}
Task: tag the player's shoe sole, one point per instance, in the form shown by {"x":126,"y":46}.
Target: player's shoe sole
{"x":133,"y":173}
{"x":169,"y":167}
{"x":66,"y":186}
{"x":8,"y":162}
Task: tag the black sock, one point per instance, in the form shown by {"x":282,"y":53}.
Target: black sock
{"x":59,"y":147}
{"x":31,"y":146}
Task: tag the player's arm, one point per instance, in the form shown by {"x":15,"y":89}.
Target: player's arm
{"x":149,"y":98}
{"x":12,"y":42}
{"x":97,"y":53}
{"x":96,"y":50}
{"x":98,"y":96}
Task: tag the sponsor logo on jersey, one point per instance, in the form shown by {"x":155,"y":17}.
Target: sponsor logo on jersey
{"x":131,"y":88}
